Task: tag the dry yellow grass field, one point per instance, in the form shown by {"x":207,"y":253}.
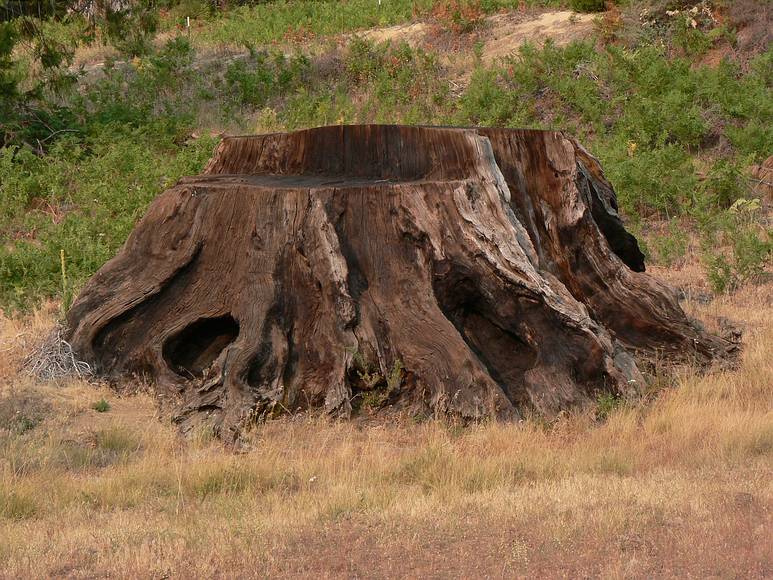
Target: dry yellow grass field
{"x":679,"y":486}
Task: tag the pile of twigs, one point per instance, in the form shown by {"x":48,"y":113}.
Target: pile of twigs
{"x":54,"y":359}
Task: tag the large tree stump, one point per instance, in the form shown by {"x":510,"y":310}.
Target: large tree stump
{"x":475,"y":272}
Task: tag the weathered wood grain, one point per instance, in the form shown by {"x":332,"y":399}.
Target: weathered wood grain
{"x":475,"y":272}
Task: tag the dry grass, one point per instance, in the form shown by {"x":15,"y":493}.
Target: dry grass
{"x":679,"y":487}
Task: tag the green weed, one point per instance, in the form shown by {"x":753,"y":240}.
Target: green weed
{"x":750,"y":246}
{"x":587,"y":5}
{"x":101,"y":406}
{"x":606,"y":404}
{"x":672,"y":246}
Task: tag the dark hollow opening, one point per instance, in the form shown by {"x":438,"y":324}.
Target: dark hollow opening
{"x":192,"y":350}
{"x":620,"y":240}
{"x":504,"y":354}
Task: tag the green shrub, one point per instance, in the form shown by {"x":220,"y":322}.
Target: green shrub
{"x":692,"y":41}
{"x":101,"y":406}
{"x":723,"y":184}
{"x":754,"y":138}
{"x":671,"y":247}
{"x":660,"y":179}
{"x":394,"y":82}
{"x":264,"y":75}
{"x":606,"y":404}
{"x":719,"y":272}
{"x":83,"y":199}
{"x":587,"y":5}
{"x":131,"y":30}
{"x":748,"y":250}
{"x":751,"y":253}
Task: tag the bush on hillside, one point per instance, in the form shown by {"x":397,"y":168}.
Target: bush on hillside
{"x":588,"y":5}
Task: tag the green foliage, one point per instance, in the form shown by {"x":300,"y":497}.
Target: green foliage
{"x":671,"y":247}
{"x":396,"y":82}
{"x":719,"y":272}
{"x":160,"y":90}
{"x":382,"y":387}
{"x":255,"y":80}
{"x":748,"y":250}
{"x":373,"y":388}
{"x":8,"y":77}
{"x":658,"y":179}
{"x":644,"y":113}
{"x":276,"y":20}
{"x":606,"y":404}
{"x":80,"y":166}
{"x":723,"y":184}
{"x":29,"y":111}
{"x":587,"y":5}
{"x":751,"y":252}
{"x":83,"y":197}
{"x":691,"y":40}
{"x":489,"y":101}
{"x":101,"y":406}
{"x":266,"y":22}
{"x":131,"y":30}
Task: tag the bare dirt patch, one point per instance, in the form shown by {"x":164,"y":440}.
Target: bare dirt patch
{"x":498,"y":36}
{"x":412,"y":33}
{"x":509,"y":31}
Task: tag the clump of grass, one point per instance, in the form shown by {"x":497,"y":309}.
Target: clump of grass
{"x":117,"y":440}
{"x":16,"y":506}
{"x":101,"y":406}
{"x":606,"y":404}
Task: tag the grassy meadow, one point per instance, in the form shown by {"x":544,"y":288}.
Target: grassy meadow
{"x":676,"y":485}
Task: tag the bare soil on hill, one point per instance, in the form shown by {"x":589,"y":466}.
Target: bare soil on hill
{"x":500,"y":34}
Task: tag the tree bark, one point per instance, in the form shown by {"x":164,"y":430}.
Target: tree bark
{"x":474,"y":272}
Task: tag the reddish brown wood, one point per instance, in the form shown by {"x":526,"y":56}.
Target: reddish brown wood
{"x":475,"y":272}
